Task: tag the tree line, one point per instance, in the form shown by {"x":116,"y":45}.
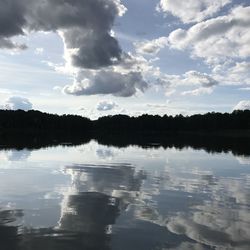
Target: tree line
{"x":37,"y":121}
{"x":213,"y":132}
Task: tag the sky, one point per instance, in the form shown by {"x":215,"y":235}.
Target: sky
{"x":104,"y":57}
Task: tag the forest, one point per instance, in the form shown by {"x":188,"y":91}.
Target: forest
{"x":36,"y":121}
{"x":213,"y":132}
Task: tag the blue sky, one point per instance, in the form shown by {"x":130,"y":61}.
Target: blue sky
{"x":104,"y":57}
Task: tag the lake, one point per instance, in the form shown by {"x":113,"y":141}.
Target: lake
{"x":93,"y":196}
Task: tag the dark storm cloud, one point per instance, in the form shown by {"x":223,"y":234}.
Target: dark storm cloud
{"x":12,"y":21}
{"x":85,"y":26}
{"x":12,"y":18}
{"x":91,"y":14}
{"x":8,"y":44}
{"x":95,"y":49}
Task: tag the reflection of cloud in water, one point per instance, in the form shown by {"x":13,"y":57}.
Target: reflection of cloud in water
{"x":8,"y":231}
{"x":181,"y":207}
{"x":220,"y":220}
{"x":236,"y":190}
{"x":243,"y":160}
{"x":188,"y":246}
{"x":198,"y":232}
{"x":105,"y":178}
{"x":85,"y":224}
{"x":9,"y":216}
{"x":214,"y":225}
{"x":105,"y":153}
{"x":18,"y":155}
{"x":97,"y":194}
{"x":90,"y":207}
{"x":89,"y":213}
{"x":188,"y":182}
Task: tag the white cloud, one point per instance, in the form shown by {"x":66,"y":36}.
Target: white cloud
{"x":39,"y":51}
{"x":106,"y":105}
{"x":170,"y":92}
{"x":203,"y":82}
{"x":16,"y":102}
{"x":203,"y":79}
{"x":107,"y":82}
{"x":218,"y":39}
{"x":239,"y":73}
{"x":241,"y":67}
{"x":158,"y":105}
{"x":242,"y":105}
{"x":233,"y":73}
{"x":151,"y":47}
{"x":189,"y":11}
{"x":57,"y":88}
{"x":197,"y":92}
{"x":190,"y":78}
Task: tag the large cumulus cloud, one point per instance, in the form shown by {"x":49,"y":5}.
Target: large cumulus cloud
{"x":86,"y":30}
{"x":192,"y":10}
{"x":108,"y":82}
{"x":84,"y":24}
{"x":202,"y":83}
{"x":217,"y":39}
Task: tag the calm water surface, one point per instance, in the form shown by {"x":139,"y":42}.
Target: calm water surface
{"x":98,"y":197}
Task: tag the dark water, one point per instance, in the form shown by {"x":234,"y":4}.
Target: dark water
{"x":99,"y":197}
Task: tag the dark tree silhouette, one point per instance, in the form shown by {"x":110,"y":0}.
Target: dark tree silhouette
{"x":212,"y":131}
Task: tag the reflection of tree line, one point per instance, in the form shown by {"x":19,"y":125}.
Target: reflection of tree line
{"x":214,"y":132}
{"x":212,"y":143}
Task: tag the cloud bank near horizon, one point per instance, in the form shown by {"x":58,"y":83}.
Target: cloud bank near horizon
{"x":17,"y":102}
